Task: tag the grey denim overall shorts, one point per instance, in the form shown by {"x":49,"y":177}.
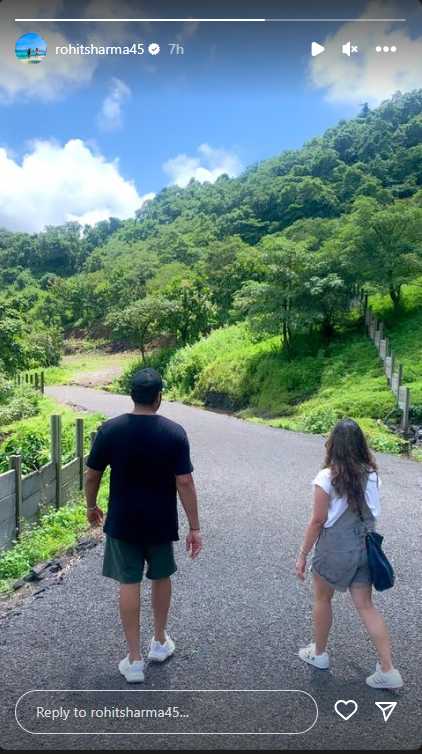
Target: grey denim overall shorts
{"x":340,"y":556}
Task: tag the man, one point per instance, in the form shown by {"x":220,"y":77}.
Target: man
{"x":150,"y":462}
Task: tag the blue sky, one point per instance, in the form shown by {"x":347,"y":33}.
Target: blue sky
{"x":246,"y":91}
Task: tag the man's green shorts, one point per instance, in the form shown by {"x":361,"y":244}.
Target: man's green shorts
{"x":125,"y":561}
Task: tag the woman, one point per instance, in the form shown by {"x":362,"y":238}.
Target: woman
{"x":346,"y":505}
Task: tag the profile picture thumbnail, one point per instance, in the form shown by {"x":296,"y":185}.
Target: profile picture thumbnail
{"x":31,"y":48}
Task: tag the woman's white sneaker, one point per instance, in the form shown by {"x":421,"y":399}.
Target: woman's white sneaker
{"x":160,"y":652}
{"x":132,"y":671}
{"x":307,"y":654}
{"x":380,"y":680}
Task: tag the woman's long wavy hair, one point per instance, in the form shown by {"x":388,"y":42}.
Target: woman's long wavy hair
{"x":350,"y":461}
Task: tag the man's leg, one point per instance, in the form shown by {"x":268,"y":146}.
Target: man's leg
{"x":130,"y":602}
{"x":161,"y":597}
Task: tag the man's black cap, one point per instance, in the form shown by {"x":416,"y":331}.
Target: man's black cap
{"x":146,"y":385}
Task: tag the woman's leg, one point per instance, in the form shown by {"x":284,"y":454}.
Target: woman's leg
{"x":322,"y":613}
{"x":374,"y":623}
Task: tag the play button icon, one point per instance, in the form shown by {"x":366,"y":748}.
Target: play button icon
{"x":316,"y":49}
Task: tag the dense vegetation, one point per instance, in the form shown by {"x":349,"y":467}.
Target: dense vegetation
{"x":30,"y":437}
{"x":268,"y":263}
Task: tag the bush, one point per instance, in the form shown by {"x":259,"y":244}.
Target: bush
{"x":321,"y":420}
{"x":16,"y":402}
{"x":187,"y":364}
{"x":380,"y":439}
{"x":23,"y":403}
{"x":7,"y":388}
{"x":30,"y":438}
{"x":219,"y":365}
{"x":157,"y":359}
{"x":44,"y":348}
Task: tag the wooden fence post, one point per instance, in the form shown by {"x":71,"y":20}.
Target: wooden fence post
{"x":36,"y":381}
{"x":367,"y":317}
{"x":80,"y":450}
{"x":42,"y":382}
{"x":15,"y":462}
{"x":56,"y":454}
{"x":404,"y":402}
{"x":400,"y":373}
{"x":389,"y":368}
{"x":31,"y":379}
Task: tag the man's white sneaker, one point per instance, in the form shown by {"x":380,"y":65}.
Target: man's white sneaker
{"x":160,"y":652}
{"x":307,"y":654}
{"x":132,"y":671}
{"x":380,"y":680}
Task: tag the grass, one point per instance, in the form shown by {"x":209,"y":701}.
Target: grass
{"x":77,"y":364}
{"x":324,"y":382}
{"x":55,"y":532}
{"x":404,"y":329}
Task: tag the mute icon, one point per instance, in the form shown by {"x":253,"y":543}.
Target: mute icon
{"x":348,"y":48}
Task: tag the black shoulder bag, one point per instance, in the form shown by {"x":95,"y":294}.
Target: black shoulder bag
{"x":380,"y":568}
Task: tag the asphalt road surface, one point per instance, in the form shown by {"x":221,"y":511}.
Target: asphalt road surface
{"x":238,"y":617}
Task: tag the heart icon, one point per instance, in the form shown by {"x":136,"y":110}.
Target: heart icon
{"x":349,"y":708}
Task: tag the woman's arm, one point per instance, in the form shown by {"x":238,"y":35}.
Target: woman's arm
{"x":318,"y":519}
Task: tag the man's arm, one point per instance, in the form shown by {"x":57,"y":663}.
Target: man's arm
{"x":92,"y":485}
{"x":187,"y":493}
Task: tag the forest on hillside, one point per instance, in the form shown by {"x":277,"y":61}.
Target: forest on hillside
{"x":285,"y":246}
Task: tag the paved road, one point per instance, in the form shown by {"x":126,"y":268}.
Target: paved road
{"x":239,"y":615}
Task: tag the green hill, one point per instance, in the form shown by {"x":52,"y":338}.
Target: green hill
{"x":250,"y":280}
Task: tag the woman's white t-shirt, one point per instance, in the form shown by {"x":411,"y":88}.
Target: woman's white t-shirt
{"x":338,"y":505}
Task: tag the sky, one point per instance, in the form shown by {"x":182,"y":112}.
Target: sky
{"x":85,"y":137}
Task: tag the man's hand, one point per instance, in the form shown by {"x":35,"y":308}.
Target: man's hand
{"x":301,"y":567}
{"x":95,"y":516}
{"x":194,"y":543}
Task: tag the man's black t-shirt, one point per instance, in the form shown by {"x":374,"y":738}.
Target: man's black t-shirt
{"x":145,"y":453}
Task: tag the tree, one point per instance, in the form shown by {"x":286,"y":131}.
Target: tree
{"x":272,"y":305}
{"x":191,"y":312}
{"x":12,"y":342}
{"x":140,"y":323}
{"x":225,"y":267}
{"x":384,"y":244}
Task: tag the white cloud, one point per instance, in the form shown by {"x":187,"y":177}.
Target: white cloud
{"x":110,"y":116}
{"x":56,"y":74}
{"x":369,"y":76}
{"x":207,"y":166}
{"x":53,"y":184}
